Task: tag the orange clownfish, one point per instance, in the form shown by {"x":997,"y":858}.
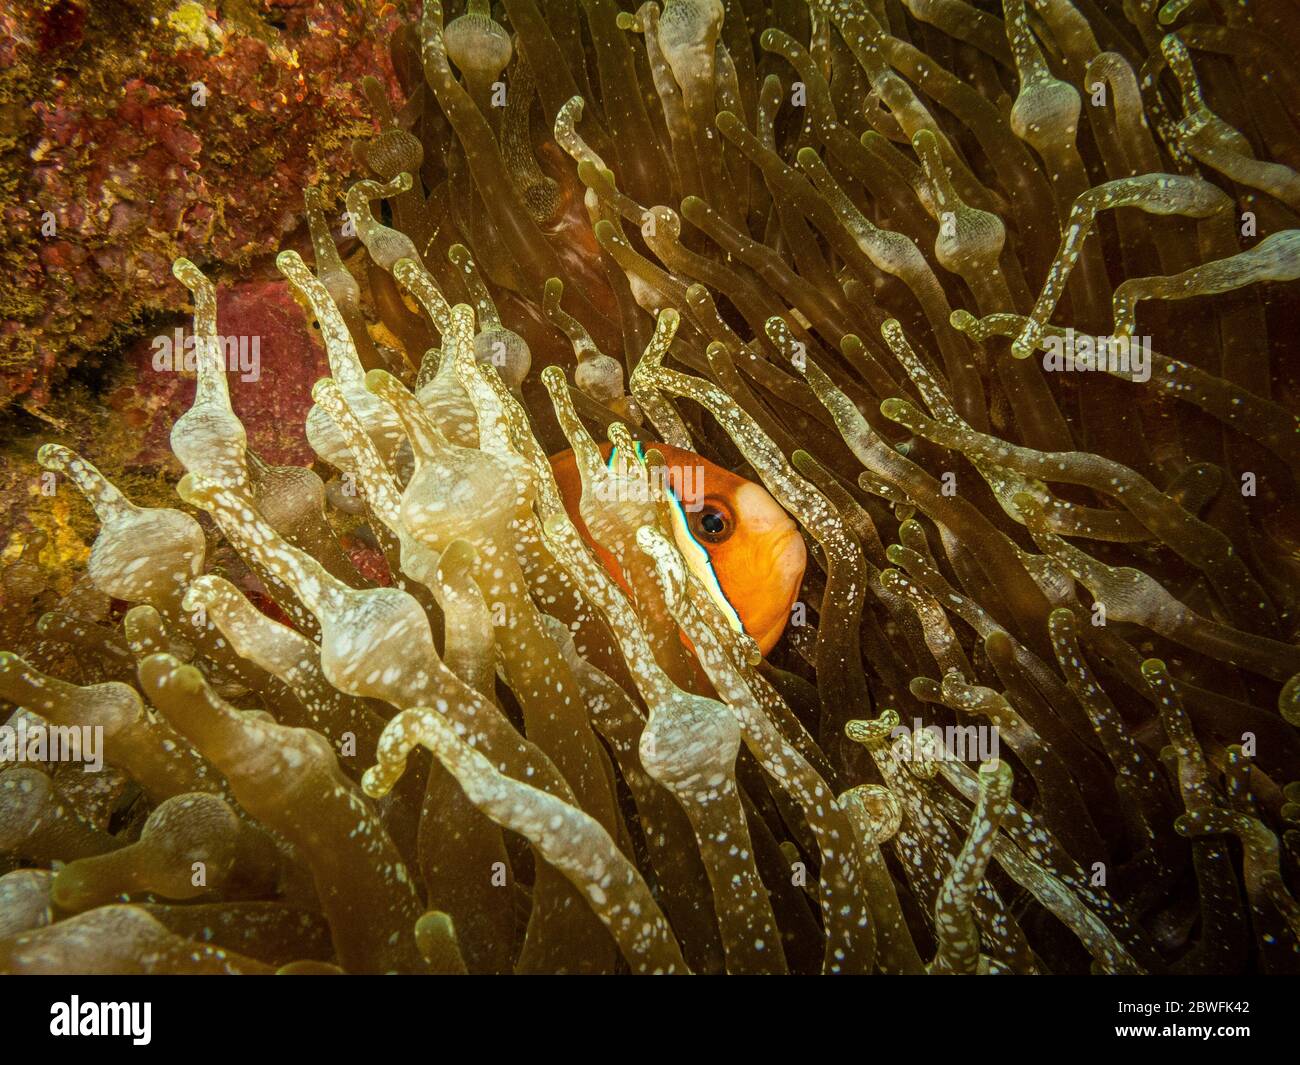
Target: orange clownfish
{"x":735,"y":537}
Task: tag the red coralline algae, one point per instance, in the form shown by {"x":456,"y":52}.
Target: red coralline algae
{"x":122,"y":144}
{"x":283,"y":357}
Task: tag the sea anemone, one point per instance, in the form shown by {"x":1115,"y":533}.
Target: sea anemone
{"x":910,"y":264}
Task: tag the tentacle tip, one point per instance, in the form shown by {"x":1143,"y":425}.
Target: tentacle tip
{"x":375,"y":783}
{"x":53,"y":456}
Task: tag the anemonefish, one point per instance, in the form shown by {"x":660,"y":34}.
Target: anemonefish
{"x":734,"y":536}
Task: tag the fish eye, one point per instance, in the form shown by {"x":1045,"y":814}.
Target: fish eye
{"x":712,"y":523}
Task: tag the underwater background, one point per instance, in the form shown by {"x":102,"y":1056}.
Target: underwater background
{"x":554,"y":486}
